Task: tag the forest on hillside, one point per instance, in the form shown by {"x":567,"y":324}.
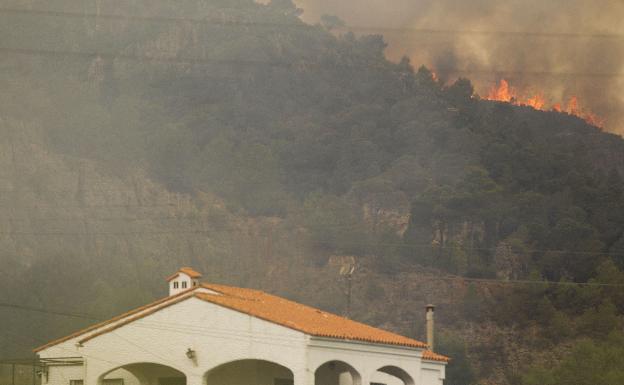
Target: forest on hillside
{"x":233,"y":137}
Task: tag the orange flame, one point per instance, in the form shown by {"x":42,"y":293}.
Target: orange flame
{"x":503,"y":92}
{"x":536,"y":102}
{"x":573,"y":108}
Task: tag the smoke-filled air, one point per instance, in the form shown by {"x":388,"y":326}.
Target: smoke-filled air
{"x":561,"y":55}
{"x":285,"y":191}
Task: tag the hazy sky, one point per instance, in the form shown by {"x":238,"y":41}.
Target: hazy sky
{"x":558,"y":47}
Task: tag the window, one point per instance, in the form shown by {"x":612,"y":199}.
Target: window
{"x":76,"y":382}
{"x":184,"y":285}
{"x":175,"y":285}
{"x":194,"y":283}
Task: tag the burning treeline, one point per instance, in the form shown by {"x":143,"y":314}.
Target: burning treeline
{"x":570,"y":51}
{"x":503,"y":92}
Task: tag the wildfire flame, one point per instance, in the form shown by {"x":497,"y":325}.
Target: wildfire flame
{"x":503,"y":92}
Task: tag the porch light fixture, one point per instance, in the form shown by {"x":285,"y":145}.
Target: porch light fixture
{"x":190,"y":353}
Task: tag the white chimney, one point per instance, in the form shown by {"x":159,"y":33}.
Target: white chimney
{"x":182,"y":280}
{"x":429,"y":317}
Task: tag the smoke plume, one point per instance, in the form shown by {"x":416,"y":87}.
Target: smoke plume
{"x":557,"y":48}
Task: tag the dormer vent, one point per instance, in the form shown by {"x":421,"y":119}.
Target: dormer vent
{"x":182,"y":280}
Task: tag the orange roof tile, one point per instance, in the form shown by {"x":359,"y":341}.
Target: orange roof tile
{"x":186,"y":270}
{"x":431,"y":356}
{"x":300,"y":317}
{"x":271,"y":308}
{"x":114,"y":319}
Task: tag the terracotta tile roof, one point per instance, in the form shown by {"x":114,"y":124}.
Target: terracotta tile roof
{"x":109,"y":321}
{"x":268,"y":307}
{"x":300,"y":317}
{"x":136,"y":317}
{"x":186,"y":270}
{"x":431,"y":356}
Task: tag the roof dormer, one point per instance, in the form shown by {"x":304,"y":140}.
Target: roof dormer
{"x":182,"y":280}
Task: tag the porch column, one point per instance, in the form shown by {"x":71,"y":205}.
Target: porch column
{"x":303,"y":377}
{"x":365,"y":378}
{"x":90,"y":377}
{"x":194,"y":379}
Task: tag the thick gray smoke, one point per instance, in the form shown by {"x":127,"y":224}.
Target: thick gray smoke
{"x":561,"y":48}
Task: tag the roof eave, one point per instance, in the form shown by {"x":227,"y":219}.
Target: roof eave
{"x":324,"y":338}
{"x":111,"y":320}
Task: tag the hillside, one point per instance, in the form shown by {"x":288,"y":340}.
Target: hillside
{"x":233,"y":137}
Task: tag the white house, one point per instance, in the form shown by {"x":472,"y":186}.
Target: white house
{"x":208,"y":334}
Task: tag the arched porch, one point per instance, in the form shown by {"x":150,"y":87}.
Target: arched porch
{"x":143,"y":373}
{"x":249,"y":372}
{"x":337,"y":373}
{"x":391,"y":375}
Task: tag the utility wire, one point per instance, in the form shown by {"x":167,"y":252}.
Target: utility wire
{"x":156,"y":19}
{"x":236,"y":334}
{"x":443,"y":278}
{"x":228,"y":63}
{"x":525,"y":282}
{"x":303,"y":25}
{"x":488,"y":72}
{"x":404,"y":245}
{"x":153,"y":354}
{"x":47,"y":311}
{"x":159,"y":325}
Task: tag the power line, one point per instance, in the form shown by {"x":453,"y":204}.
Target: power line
{"x":409,"y":245}
{"x":228,"y":63}
{"x":404,"y":245}
{"x":526,"y":282}
{"x":201,"y":331}
{"x":442,"y":278}
{"x":136,"y":57}
{"x":191,"y":217}
{"x":105,"y":206}
{"x":282,"y":64}
{"x":47,"y":311}
{"x":182,"y":326}
{"x":142,"y":348}
{"x":222,"y":333}
{"x":497,"y":33}
{"x":232,"y":333}
{"x":511,"y":73}
{"x":159,"y":325}
{"x":303,"y":25}
{"x":157,"y":19}
{"x":236,"y":334}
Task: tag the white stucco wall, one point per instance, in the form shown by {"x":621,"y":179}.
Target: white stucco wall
{"x":365,"y":358}
{"x":248,"y":373}
{"x":183,"y":282}
{"x":431,"y":374}
{"x":63,"y":374}
{"x":383,"y":378}
{"x":218,"y":336}
{"x":127,"y":377}
{"x":141,"y":374}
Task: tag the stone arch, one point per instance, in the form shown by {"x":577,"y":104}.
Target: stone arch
{"x":249,"y":372}
{"x":391,"y":375}
{"x":337,"y":372}
{"x":142,"y":373}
